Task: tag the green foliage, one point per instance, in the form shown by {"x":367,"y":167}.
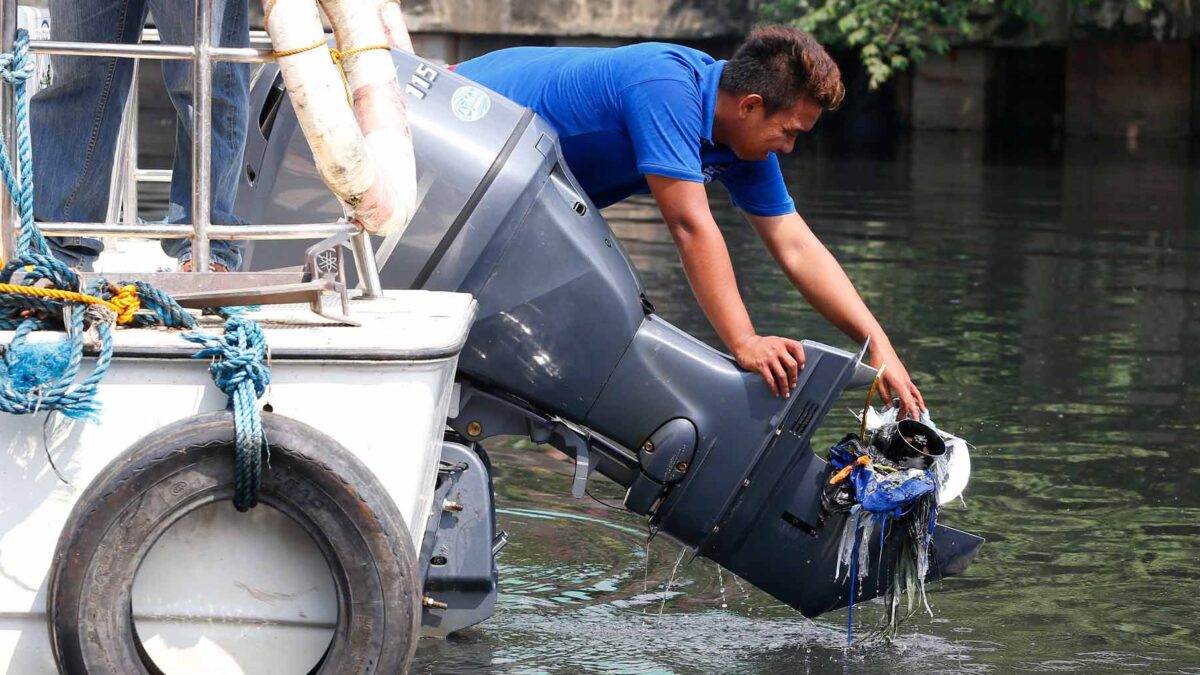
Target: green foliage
{"x":892,"y":34}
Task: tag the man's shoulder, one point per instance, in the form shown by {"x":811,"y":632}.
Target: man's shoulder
{"x":662,"y":60}
{"x":636,"y":62}
{"x":514,"y":56}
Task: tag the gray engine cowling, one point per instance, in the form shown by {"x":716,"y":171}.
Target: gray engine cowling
{"x":564,"y":331}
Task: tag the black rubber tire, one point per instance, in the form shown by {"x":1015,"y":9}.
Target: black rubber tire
{"x":189,"y":464}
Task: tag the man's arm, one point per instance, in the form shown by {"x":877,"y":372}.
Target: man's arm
{"x":684,"y":206}
{"x":820,"y":279}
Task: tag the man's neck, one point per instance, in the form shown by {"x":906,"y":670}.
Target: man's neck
{"x":725,"y":110}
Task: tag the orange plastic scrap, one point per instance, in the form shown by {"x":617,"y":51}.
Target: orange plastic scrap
{"x":842,"y":475}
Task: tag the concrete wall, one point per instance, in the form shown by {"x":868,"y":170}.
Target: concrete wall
{"x":1129,"y":89}
{"x":661,"y":19}
{"x":1063,"y":20}
{"x":950,"y":91}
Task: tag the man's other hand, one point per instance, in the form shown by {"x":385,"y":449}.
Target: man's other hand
{"x":779,"y":361}
{"x":897,"y":384}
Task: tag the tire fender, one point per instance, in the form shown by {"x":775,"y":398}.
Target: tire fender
{"x":189,"y":464}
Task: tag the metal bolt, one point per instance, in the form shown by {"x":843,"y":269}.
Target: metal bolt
{"x":474,"y":429}
{"x":448,"y":505}
{"x":433,"y":604}
{"x":648,"y":446}
{"x":716,"y":529}
{"x":682,"y":466}
{"x":779,"y":431}
{"x":746,"y":483}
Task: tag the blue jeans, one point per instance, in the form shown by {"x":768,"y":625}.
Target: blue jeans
{"x":75,"y":121}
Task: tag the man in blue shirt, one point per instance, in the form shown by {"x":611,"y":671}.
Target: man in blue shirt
{"x":663,"y":119}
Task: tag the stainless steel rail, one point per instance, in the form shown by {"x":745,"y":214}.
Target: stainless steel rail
{"x":201,"y":134}
{"x":226,"y":232}
{"x":8,"y":213}
{"x":201,"y":231}
{"x":156,"y":52}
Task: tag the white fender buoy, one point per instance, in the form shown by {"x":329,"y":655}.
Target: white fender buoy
{"x":360,"y":140}
{"x":397,"y":29}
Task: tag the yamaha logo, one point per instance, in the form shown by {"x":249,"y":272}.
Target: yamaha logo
{"x":327,"y":262}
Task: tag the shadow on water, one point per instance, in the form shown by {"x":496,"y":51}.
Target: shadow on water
{"x":1046,"y":297}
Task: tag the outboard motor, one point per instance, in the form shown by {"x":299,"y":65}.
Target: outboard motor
{"x":566,"y":348}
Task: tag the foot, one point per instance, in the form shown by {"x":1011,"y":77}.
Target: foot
{"x":212,"y":267}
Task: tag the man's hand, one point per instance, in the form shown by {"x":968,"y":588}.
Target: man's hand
{"x":778,"y":360}
{"x":896,"y":383}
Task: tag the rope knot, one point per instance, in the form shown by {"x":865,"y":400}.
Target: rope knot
{"x":241,"y":354}
{"x":126,"y":302}
{"x":16,"y":67}
{"x":337,"y":56}
{"x":98,"y":314}
{"x":240,"y":370}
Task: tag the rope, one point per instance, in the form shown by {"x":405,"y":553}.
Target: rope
{"x":124,"y":305}
{"x":16,"y":68}
{"x":337,"y":56}
{"x":239,"y":369}
{"x":30,"y":385}
{"x":38,"y":376}
{"x":166,"y":310}
{"x":41,"y":376}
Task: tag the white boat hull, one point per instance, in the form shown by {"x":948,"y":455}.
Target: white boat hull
{"x":224,"y":591}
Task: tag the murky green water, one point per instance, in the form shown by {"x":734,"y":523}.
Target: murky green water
{"x":1047,"y":300}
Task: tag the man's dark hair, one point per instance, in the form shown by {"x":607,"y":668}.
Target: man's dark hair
{"x":780,"y":64}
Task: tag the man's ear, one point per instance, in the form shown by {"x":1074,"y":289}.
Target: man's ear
{"x":749,"y":104}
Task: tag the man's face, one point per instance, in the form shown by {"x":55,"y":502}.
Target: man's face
{"x":758,"y":132}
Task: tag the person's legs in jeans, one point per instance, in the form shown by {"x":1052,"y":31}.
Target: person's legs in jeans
{"x":74,"y":123}
{"x":230,"y":115}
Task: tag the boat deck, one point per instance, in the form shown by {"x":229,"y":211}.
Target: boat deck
{"x":404,"y":325}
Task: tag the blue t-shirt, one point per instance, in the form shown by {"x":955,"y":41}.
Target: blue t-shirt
{"x":630,"y":111}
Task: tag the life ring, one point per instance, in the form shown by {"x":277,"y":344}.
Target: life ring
{"x":187,"y":465}
{"x":354,"y":120}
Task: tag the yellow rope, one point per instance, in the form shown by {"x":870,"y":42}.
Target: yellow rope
{"x":125,"y":303}
{"x":337,"y":56}
{"x":298,"y":50}
{"x":128,"y":302}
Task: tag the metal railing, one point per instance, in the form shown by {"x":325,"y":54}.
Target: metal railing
{"x":127,"y":174}
{"x":201,"y":231}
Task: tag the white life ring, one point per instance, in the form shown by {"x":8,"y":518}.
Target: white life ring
{"x":357,"y":126}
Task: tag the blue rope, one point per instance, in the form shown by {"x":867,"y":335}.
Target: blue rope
{"x":16,"y":68}
{"x":34,"y":378}
{"x":241,"y":372}
{"x":37,"y":377}
{"x":166,"y":311}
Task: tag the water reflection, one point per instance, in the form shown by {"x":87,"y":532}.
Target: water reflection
{"x":1046,"y":300}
